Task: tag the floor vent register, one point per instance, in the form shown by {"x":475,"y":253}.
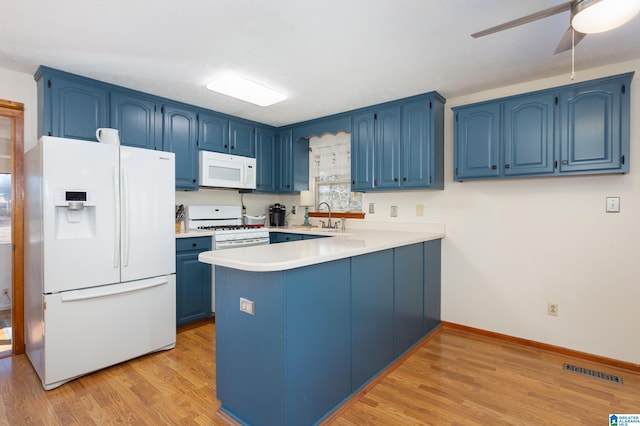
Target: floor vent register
{"x":593,"y":373}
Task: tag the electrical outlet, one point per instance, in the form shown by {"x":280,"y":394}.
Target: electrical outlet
{"x":247,"y":306}
{"x":552,"y":309}
{"x":372,"y":208}
{"x":5,"y":291}
{"x":394,"y":211}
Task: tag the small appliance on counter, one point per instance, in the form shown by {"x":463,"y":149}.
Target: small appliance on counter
{"x":254,"y":220}
{"x":277,"y":213}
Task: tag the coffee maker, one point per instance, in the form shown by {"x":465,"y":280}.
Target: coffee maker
{"x":277,"y":213}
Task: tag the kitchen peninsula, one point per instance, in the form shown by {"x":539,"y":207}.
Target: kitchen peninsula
{"x":301,"y":326}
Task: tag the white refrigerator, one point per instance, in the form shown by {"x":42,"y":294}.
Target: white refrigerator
{"x":99,"y":256}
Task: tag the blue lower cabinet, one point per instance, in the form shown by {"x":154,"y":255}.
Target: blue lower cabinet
{"x":408,"y":296}
{"x":250,"y":367}
{"x":371,"y":315}
{"x":432,"y":290}
{"x":193,"y":280}
{"x":318,"y":342}
{"x":320,"y":332}
{"x":296,"y":353}
{"x":312,"y":237}
{"x":284,"y":237}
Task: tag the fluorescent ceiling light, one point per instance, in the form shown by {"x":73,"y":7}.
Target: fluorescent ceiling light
{"x":597,"y":16}
{"x":248,"y":91}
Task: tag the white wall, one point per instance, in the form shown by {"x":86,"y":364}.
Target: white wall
{"x":256,"y":204}
{"x":514,"y":245}
{"x":20,"y":87}
{"x":17,"y":87}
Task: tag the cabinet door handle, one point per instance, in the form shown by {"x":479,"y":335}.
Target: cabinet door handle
{"x":493,"y":167}
{"x":555,"y":164}
{"x":226,"y":146}
{"x":507,"y":166}
{"x":194,"y":244}
{"x":404,"y":179}
{"x":395,"y":179}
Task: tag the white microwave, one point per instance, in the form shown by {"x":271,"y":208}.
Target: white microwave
{"x":227,"y":171}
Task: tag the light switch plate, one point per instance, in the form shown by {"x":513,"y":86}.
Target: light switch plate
{"x":613,"y":205}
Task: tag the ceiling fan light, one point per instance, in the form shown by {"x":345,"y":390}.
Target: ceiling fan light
{"x":597,"y":16}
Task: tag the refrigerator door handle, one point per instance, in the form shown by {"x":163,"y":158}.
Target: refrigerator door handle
{"x":125,"y":218}
{"x":77,"y":295}
{"x":116,"y":204}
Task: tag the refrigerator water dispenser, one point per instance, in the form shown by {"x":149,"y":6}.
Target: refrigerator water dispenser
{"x":75,"y":214}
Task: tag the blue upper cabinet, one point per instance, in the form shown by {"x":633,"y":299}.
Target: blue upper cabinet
{"x":387,"y":147}
{"x":284,"y":161}
{"x":219,"y":133}
{"x":529,"y":135}
{"x":70,"y":106}
{"x":265,"y":160}
{"x":594,"y":136}
{"x":477,"y":137}
{"x":241,"y":138}
{"x":423,"y":143}
{"x":179,"y":136}
{"x":362,"y":147}
{"x":292,"y":163}
{"x":399,"y":145}
{"x":581,"y":128}
{"x":213,"y":132}
{"x":137,"y":118}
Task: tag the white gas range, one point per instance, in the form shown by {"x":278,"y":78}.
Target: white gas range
{"x":227,"y":227}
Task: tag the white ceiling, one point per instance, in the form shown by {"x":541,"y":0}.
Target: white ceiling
{"x":329,"y":56}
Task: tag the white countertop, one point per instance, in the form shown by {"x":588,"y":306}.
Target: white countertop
{"x":193,"y":233}
{"x":296,"y":254}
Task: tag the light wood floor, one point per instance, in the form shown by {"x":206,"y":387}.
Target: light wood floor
{"x":455,"y":378}
{"x":458,"y":378}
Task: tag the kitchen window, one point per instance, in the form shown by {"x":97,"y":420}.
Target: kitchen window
{"x":330,"y":172}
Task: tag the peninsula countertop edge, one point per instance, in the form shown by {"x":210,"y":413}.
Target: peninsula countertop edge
{"x":296,"y":254}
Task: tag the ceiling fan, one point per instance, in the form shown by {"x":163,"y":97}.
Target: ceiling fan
{"x":587,"y":17}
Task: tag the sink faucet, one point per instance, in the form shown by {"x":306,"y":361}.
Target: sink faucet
{"x":330,"y":225}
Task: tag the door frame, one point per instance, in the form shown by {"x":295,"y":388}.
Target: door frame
{"x":15,"y":112}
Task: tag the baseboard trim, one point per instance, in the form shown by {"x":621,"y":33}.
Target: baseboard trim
{"x":380,"y":377}
{"x":544,"y":346}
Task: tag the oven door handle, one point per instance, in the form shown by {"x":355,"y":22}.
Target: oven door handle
{"x":221,"y":245}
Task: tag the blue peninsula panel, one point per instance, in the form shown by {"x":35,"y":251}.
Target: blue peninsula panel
{"x":319,"y":333}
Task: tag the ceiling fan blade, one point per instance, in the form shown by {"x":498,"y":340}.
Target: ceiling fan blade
{"x":565,"y":41}
{"x":525,"y":19}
